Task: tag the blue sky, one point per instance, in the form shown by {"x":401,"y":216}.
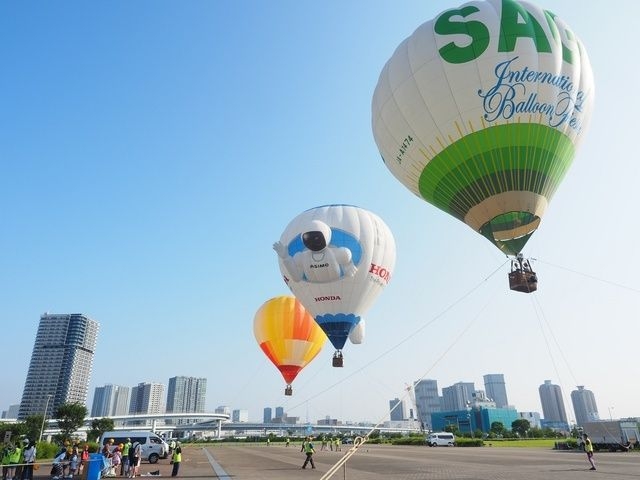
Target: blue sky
{"x":152,"y":152}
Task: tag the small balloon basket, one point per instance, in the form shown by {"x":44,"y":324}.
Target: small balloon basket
{"x":522,"y":278}
{"x":337,"y":359}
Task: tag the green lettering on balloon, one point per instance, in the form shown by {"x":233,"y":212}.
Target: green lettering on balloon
{"x":478,"y":32}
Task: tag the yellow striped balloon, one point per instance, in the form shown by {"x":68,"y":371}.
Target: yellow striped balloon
{"x":288,"y":335}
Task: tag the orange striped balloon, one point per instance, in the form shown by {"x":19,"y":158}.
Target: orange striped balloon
{"x":288,"y":335}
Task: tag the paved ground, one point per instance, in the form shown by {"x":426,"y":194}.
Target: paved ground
{"x":377,"y":462}
{"x":373,"y":462}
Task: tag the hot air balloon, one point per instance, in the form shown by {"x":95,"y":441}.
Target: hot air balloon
{"x":288,"y":336}
{"x":480,"y":111}
{"x":336,"y":259}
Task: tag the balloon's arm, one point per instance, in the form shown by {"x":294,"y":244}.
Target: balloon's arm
{"x":280,"y":249}
{"x":348,"y":267}
{"x":288,"y":262}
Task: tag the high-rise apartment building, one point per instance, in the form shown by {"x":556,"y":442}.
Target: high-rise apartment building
{"x":279,"y":412}
{"x":267,"y":415}
{"x":584,"y":405}
{"x":110,"y":400}
{"x":552,"y":403}
{"x":186,"y":395}
{"x":495,"y":389}
{"x":61,"y":363}
{"x":396,"y":409}
{"x":147,"y":398}
{"x":427,"y":401}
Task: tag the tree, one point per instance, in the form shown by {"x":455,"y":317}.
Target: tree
{"x":497,"y":428}
{"x":98,"y":427}
{"x":16,"y":429}
{"x":33,"y":427}
{"x":520,"y":426}
{"x":70,"y":417}
{"x":452,"y":428}
{"x":536,"y":432}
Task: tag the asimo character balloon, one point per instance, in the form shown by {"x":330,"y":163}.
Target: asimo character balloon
{"x":480,"y":111}
{"x":336,"y":259}
{"x":288,"y":336}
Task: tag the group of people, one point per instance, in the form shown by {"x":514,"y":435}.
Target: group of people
{"x":123,"y":459}
{"x":69,"y":461}
{"x":18,"y":459}
{"x":332,"y":443}
{"x":307,"y":448}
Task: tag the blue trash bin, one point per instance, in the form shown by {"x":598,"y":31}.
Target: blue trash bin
{"x":94,"y":466}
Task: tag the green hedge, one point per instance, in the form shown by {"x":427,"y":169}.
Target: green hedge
{"x":407,"y":441}
{"x":469,"y":442}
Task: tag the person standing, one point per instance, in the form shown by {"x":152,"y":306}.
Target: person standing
{"x":176,"y":459}
{"x":74,"y":462}
{"x":124,"y":468}
{"x":135,"y":453}
{"x":84,"y":458}
{"x":588,"y":448}
{"x":307,"y":447}
{"x":29,"y":460}
{"x":15,"y":455}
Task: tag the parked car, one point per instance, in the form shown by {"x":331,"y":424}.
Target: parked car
{"x":441,"y":439}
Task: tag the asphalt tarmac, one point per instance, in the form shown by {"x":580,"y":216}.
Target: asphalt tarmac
{"x":373,"y":462}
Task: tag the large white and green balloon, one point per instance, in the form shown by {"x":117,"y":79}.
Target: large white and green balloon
{"x":480,"y":111}
{"x":336,"y":259}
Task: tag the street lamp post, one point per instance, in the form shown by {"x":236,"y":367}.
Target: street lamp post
{"x":610,"y":414}
{"x":44,"y":417}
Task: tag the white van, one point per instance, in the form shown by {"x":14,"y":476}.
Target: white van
{"x":441,"y":439}
{"x":153,"y":447}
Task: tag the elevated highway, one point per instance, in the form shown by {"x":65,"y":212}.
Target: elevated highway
{"x":174,"y":423}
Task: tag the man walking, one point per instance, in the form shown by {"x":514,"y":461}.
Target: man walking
{"x":307,"y":448}
{"x":588,"y":447}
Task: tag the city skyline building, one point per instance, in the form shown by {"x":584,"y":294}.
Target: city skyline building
{"x":239,"y":416}
{"x":427,"y":401}
{"x":224,"y":409}
{"x":396,"y":409}
{"x":458,"y":396}
{"x":279,"y":412}
{"x":553,"y":409}
{"x":532,"y":417}
{"x":267,"y":415}
{"x":584,"y":405}
{"x":12,"y":411}
{"x":61,"y":363}
{"x":186,"y":395}
{"x":110,"y":400}
{"x":495,"y":389}
{"x":147,"y":397}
